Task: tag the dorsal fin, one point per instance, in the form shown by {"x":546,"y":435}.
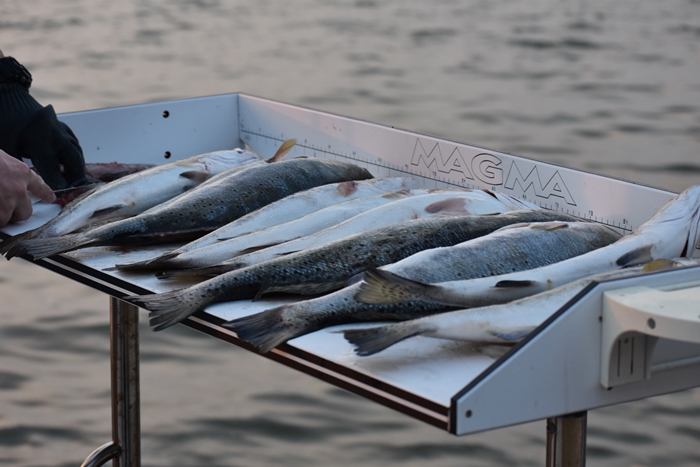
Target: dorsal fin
{"x":283,"y":150}
{"x":639,"y":256}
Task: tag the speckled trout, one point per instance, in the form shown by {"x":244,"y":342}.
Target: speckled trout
{"x":135,"y":193}
{"x":326,"y":268}
{"x":512,"y":248}
{"x":206,"y":208}
{"x":496,"y":324}
{"x":438,"y":202}
{"x":224,"y":250}
{"x":254,"y":228}
{"x":674,"y":231}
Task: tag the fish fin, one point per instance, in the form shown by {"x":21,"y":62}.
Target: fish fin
{"x":554,"y":225}
{"x":399,"y":194}
{"x":346,"y":189}
{"x":107,"y":211}
{"x":249,"y":148}
{"x":267,"y":329}
{"x":39,"y":248}
{"x":641,"y":255}
{"x":514,"y":284}
{"x":355,"y":279}
{"x":381,"y":286}
{"x":253,"y":249}
{"x":166,"y":308}
{"x":9,"y":246}
{"x":449,"y":206}
{"x":197,"y":176}
{"x":369,"y":341}
{"x":283,"y":150}
{"x":518,"y":225}
{"x":301,"y":289}
{"x":286,"y":253}
{"x":660,"y":265}
{"x":511,"y":335}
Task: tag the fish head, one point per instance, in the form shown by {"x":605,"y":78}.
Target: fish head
{"x":218,"y":161}
{"x":682,"y":216}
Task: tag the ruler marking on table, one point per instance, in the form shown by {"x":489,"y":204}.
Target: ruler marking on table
{"x":430,"y":177}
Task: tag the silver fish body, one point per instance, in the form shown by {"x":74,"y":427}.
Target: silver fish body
{"x":512,"y":248}
{"x":208,"y":207}
{"x":138,"y":192}
{"x":516,"y":247}
{"x":439,"y":202}
{"x":296,"y":215}
{"x":497,"y":324}
{"x":329,"y":267}
{"x":674,"y":231}
{"x":300,"y":204}
{"x":216,"y":253}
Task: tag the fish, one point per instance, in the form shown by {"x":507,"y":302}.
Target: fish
{"x":291,"y":208}
{"x":516,"y":247}
{"x":206,"y":208}
{"x":438,"y":202}
{"x":329,"y":267}
{"x":221,"y":251}
{"x":673,"y":231}
{"x":133,"y":194}
{"x":495,"y":324}
{"x":111,"y":171}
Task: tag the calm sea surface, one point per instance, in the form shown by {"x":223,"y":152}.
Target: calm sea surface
{"x":611,"y":87}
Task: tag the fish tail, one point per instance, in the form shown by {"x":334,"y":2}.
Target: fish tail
{"x":381,"y":286}
{"x":267,"y":329}
{"x":368,"y":341}
{"x":195,"y":272}
{"x":9,"y":246}
{"x":39,"y":248}
{"x":167,"y":308}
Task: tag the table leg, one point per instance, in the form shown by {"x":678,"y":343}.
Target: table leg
{"x":126,"y":413}
{"x":566,"y":440}
{"x":125,"y":448}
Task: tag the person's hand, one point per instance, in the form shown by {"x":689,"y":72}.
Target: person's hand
{"x":30,"y":131}
{"x":17,"y":180}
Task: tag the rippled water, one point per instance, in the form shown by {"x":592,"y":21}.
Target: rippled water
{"x":608,"y":87}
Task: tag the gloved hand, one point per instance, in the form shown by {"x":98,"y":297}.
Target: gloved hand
{"x":16,"y":182}
{"x":28,"y":130}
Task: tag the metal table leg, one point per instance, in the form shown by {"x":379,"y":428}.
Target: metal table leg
{"x":566,"y":440}
{"x":125,"y":447}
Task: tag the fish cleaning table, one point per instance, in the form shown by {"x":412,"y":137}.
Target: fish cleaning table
{"x":574,"y":362}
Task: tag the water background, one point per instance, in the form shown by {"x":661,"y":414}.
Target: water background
{"x":611,"y":87}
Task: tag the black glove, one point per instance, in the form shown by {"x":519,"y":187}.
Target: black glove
{"x":30,"y":131}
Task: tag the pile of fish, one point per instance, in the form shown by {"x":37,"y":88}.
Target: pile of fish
{"x":450,"y":263}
